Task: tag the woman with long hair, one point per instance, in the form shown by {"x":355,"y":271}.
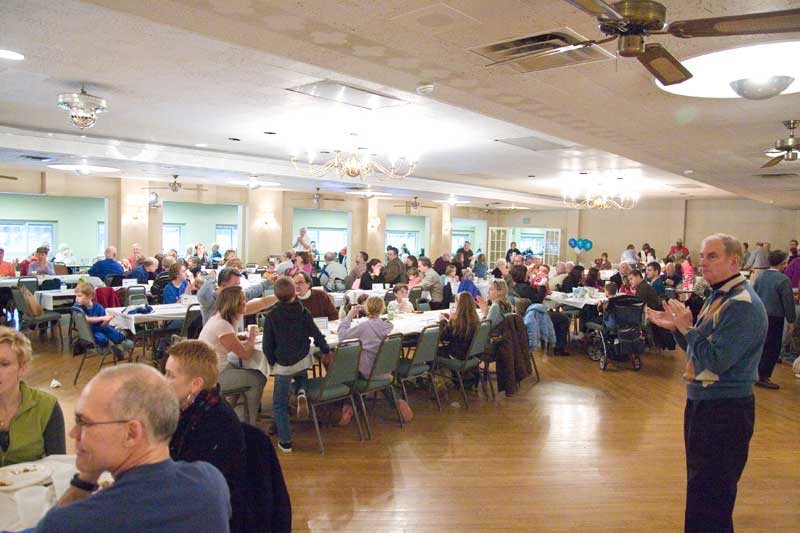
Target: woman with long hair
{"x":221,"y":333}
{"x":500,"y":304}
{"x":372,"y":274}
{"x":459,"y":328}
{"x":593,"y":279}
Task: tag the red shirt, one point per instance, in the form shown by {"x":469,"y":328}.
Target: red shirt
{"x":7,"y":269}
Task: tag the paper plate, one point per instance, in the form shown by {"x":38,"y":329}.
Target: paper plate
{"x":15,"y":477}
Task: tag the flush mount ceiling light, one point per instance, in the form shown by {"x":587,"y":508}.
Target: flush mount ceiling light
{"x":11,"y":55}
{"x":723,"y":74}
{"x":83,"y":169}
{"x":83,"y":107}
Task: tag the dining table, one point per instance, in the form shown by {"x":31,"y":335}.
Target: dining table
{"x":571,"y":300}
{"x":66,"y":279}
{"x":161,"y":312}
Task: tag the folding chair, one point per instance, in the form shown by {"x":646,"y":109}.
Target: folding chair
{"x":136,"y":295}
{"x":338,"y":384}
{"x":419,"y":365}
{"x":26,"y":318}
{"x":86,"y":336}
{"x":414,"y":296}
{"x":385,"y":363}
{"x":31,"y":282}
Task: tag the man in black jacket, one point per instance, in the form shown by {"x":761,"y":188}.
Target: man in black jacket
{"x":286,"y":344}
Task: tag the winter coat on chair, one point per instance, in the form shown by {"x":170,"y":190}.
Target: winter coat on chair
{"x":539,"y":326}
{"x":512,"y":354}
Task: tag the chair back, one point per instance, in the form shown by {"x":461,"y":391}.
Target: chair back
{"x":60,"y":269}
{"x":20,"y":302}
{"x":192,"y":314}
{"x":427,"y":345}
{"x":423,"y":306}
{"x":479,"y":340}
{"x":113,"y":280}
{"x":82,"y":325}
{"x":388,"y":355}
{"x":251,"y":265}
{"x":414,"y":296}
{"x":388,"y":297}
{"x":343,"y":369}
{"x":50,"y":284}
{"x":32,"y":283}
{"x":521,"y":305}
{"x":136,"y":295}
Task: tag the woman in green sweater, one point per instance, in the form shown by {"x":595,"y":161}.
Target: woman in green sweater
{"x":31,"y":421}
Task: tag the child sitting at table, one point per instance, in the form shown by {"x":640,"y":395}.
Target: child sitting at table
{"x":98,"y":319}
{"x":401,"y":303}
{"x":414,"y":278}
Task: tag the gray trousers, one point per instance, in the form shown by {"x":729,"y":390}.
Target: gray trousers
{"x":233,"y":377}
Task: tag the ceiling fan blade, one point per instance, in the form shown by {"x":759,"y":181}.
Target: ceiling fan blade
{"x":9,"y":177}
{"x":663,"y":65}
{"x":752,"y":24}
{"x":596,"y":8}
{"x":774,"y":161}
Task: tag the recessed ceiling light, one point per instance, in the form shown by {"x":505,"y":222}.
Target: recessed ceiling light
{"x":270,"y":133}
{"x":688,"y":172}
{"x":713,"y":73}
{"x":201,"y":145}
{"x":83,"y":169}
{"x":235,"y":139}
{"x":11,"y":55}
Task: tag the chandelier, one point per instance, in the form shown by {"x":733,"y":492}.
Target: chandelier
{"x":352,"y":165}
{"x":599,"y":193}
{"x":83,"y":107}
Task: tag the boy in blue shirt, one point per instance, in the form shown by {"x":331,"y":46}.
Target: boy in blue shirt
{"x":98,"y":319}
{"x":177,"y":285}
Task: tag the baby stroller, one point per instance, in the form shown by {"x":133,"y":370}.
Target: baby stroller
{"x":621,"y":334}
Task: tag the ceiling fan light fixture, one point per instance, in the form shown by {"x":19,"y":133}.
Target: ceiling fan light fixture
{"x":83,"y":107}
{"x":761,"y":88}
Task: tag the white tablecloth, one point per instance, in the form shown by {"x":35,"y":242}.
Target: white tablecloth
{"x":406,"y":323}
{"x":9,"y":520}
{"x":160,"y":312}
{"x":561,"y":298}
{"x":605,"y":275}
{"x":49,"y":299}
{"x":72,"y":279}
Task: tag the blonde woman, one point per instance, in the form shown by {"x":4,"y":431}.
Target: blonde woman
{"x":498,"y":296}
{"x":221,"y":333}
{"x":31,"y":421}
{"x":371,"y":333}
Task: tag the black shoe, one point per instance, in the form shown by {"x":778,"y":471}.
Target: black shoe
{"x":285,"y":447}
{"x":273,"y":429}
{"x":560,"y":351}
{"x":767,"y":384}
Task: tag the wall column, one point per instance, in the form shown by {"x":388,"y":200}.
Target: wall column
{"x":134,"y":212}
{"x":265,"y":224}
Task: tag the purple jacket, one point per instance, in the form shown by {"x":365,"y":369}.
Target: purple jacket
{"x":793,"y":271}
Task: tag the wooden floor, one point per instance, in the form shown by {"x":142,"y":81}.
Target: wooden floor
{"x":583,"y":450}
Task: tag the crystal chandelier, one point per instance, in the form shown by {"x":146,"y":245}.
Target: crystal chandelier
{"x":352,"y":165}
{"x":599,"y":193}
{"x":83,"y":107}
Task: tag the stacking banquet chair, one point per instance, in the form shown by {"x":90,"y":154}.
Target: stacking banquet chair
{"x":420,"y":364}
{"x":136,"y":295}
{"x":338,"y":384}
{"x":31,"y":282}
{"x":87,"y":339}
{"x":385,"y":363}
{"x":414,"y":296}
{"x":27,"y":318}
{"x":460,"y":367}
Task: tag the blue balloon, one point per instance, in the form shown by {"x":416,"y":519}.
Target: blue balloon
{"x":587,"y":245}
{"x":580,"y":244}
{"x":572,"y":242}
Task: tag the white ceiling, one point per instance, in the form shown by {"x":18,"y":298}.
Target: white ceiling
{"x":177,"y":73}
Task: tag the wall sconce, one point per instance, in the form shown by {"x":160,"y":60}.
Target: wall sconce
{"x":268,"y":219}
{"x":447,"y":227}
{"x":374,"y":223}
{"x":135,"y":214}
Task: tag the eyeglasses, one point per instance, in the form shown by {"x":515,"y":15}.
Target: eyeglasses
{"x":81,"y":423}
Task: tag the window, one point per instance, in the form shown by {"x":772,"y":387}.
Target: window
{"x":20,"y":239}
{"x":532,"y":241}
{"x":101,"y":239}
{"x":399,"y":238}
{"x":227,"y":236}
{"x":458,"y":240}
{"x":327,"y":239}
{"x":171,"y":236}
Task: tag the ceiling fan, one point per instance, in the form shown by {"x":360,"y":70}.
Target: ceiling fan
{"x":488,"y":209}
{"x":413,"y":206}
{"x":789,"y":146}
{"x":631,"y":21}
{"x":9,"y":177}
{"x":175,"y":186}
{"x":317,"y":199}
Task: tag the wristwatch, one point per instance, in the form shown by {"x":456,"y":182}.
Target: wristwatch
{"x":78,"y":483}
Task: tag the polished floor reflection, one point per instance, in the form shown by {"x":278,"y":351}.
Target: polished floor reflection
{"x":583,"y":450}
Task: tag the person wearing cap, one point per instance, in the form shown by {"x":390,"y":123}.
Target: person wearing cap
{"x":41,"y":266}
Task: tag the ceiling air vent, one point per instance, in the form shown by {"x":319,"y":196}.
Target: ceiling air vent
{"x":37,"y":158}
{"x":535,"y":144}
{"x":345,"y":94}
{"x":776,"y":175}
{"x":518,"y":46}
{"x":686,"y":186}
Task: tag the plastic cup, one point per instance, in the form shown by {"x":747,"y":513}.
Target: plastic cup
{"x":61,"y":479}
{"x":31,"y":504}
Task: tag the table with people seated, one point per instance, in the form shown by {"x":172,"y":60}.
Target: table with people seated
{"x":58,"y":298}
{"x":123,"y":320}
{"x":605,"y":275}
{"x":67,"y":279}
{"x":570,"y":300}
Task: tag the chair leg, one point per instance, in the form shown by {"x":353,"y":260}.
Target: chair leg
{"x":316,"y":427}
{"x":355,"y":413}
{"x":103,"y":359}
{"x":397,"y":406}
{"x":366,"y":417}
{"x":80,"y":367}
{"x":463,"y":392}
{"x":435,"y":392}
{"x":535,"y":368}
{"x":403,"y":386}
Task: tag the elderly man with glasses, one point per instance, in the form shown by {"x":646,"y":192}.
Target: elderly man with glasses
{"x":207,"y":295}
{"x":124,"y":420}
